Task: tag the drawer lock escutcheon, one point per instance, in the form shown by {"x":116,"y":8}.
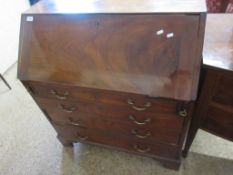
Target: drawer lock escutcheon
{"x":147,"y":120}
{"x":183,"y":113}
{"x":59,"y":96}
{"x":132,"y":103}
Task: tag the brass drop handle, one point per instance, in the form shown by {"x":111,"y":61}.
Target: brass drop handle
{"x":58,"y":96}
{"x":135,"y":132}
{"x":147,"y":120}
{"x":146,"y":105}
{"x":71,"y":122}
{"x":183,"y":113}
{"x":82,"y":137}
{"x":66,"y":109}
{"x":141,"y":150}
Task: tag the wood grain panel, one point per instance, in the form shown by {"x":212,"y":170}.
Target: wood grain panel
{"x":156,"y":149}
{"x":70,"y":94}
{"x":219,"y":122}
{"x":162,"y":127}
{"x":224,"y":91}
{"x":144,"y":133}
{"x":113,"y":52}
{"x":171,"y":121}
{"x":157,"y":107}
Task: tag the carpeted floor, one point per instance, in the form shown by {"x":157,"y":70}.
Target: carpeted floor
{"x":28,"y":146}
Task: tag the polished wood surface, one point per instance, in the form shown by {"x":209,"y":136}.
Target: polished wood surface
{"x":111,"y":111}
{"x":84,"y":135}
{"x":218,"y":44}
{"x":92,"y":95}
{"x":118,"y":6}
{"x":161,"y":127}
{"x":122,"y":74}
{"x":214,"y":111}
{"x":224,"y":93}
{"x":162,"y":119}
{"x":114,"y":52}
{"x":166,"y":126}
{"x":219,"y":121}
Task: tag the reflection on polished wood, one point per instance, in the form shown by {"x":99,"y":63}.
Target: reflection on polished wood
{"x":218,"y":47}
{"x":114,"y":52}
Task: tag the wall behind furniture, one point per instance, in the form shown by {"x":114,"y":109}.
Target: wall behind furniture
{"x":10,"y":12}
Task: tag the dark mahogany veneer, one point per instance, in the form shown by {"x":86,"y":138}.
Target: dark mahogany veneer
{"x":123,"y":77}
{"x":214,"y":111}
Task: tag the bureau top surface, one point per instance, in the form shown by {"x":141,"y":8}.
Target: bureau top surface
{"x":118,"y":6}
{"x":218,"y":44}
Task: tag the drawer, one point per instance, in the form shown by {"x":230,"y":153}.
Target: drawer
{"x":62,"y":111}
{"x":145,"y":133}
{"x":162,"y":127}
{"x":224,"y":91}
{"x":219,"y":121}
{"x":134,"y":145}
{"x":134,"y":102}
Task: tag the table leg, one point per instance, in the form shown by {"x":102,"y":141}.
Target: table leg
{"x":4,"y":80}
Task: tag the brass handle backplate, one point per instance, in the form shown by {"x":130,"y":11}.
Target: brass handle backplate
{"x":82,"y":137}
{"x":132,"y":103}
{"x":59,"y":96}
{"x":147,"y":120}
{"x":141,"y":150}
{"x":135,"y":132}
{"x":66,"y":109}
{"x":72,"y":122}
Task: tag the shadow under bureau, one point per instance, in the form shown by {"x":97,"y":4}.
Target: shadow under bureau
{"x":122,"y":74}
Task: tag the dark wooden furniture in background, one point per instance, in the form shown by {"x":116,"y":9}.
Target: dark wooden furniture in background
{"x":123,"y":74}
{"x":214,"y":112}
{"x":217,"y":6}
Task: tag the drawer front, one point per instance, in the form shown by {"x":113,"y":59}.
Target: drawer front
{"x":163,"y":127}
{"x":133,"y":102}
{"x":78,"y":110}
{"x":219,"y":121}
{"x":224,"y":91}
{"x":134,"y":145}
{"x":142,"y":54}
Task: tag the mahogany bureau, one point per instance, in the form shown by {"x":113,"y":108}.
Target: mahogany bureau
{"x":122,"y":74}
{"x":214,"y":111}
